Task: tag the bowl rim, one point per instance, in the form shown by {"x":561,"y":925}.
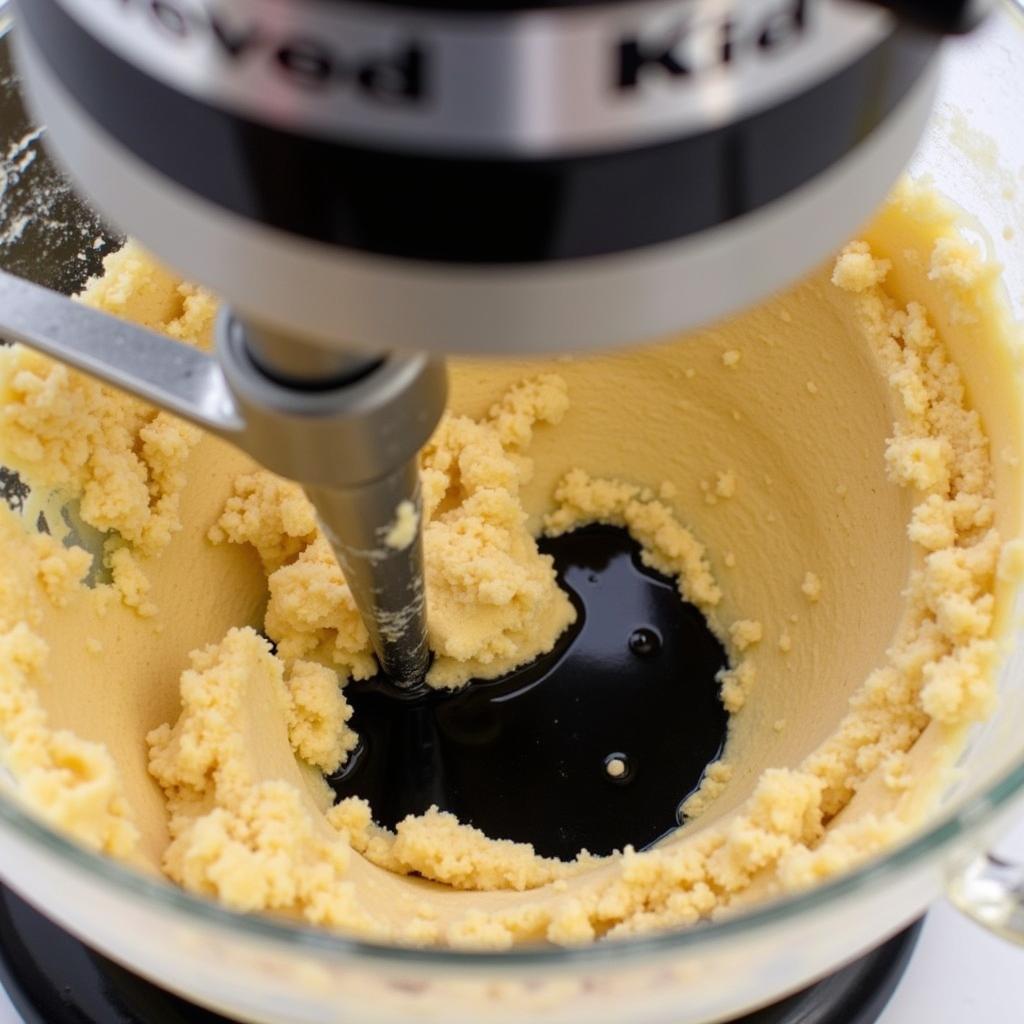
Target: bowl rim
{"x":943,"y":829}
{"x":887,"y":866}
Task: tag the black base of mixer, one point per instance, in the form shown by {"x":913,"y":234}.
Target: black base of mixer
{"x":53,"y":978}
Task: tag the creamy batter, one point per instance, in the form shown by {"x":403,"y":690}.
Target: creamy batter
{"x":833,"y":478}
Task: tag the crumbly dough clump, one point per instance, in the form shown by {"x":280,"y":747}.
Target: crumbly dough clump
{"x":493,"y":600}
{"x":253,"y":844}
{"x":122,"y":461}
{"x":69,"y":782}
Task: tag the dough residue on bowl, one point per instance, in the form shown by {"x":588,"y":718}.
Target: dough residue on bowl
{"x":816,"y":474}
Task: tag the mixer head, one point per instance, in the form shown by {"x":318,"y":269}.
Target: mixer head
{"x":481,"y":176}
{"x":371,"y":186}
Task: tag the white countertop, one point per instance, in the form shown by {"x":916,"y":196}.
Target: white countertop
{"x":959,"y":973}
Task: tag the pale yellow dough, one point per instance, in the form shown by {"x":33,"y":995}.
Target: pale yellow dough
{"x":816,"y":473}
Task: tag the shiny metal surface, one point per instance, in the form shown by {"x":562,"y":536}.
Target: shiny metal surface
{"x":171,"y":375}
{"x":288,"y":360}
{"x":455,"y":81}
{"x":336,"y":437}
{"x":386,"y":304}
{"x":385,"y":574}
{"x":353,"y":445}
{"x":354,"y":448}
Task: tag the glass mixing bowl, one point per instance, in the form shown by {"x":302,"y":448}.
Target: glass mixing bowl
{"x":267,"y":970}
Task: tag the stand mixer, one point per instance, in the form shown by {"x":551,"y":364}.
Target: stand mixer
{"x":374,"y":187}
{"x":379,"y":187}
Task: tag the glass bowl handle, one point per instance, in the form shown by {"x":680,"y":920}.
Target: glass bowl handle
{"x":990,"y":890}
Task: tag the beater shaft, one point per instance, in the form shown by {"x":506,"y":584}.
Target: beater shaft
{"x":376,"y":537}
{"x":346,"y":427}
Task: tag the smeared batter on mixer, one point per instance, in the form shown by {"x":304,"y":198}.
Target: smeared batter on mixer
{"x":853,"y":543}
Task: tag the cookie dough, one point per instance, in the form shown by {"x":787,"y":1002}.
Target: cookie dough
{"x":833,"y":478}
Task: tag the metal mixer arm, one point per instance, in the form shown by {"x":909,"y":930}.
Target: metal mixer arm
{"x":169,"y":374}
{"x":352,"y":445}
